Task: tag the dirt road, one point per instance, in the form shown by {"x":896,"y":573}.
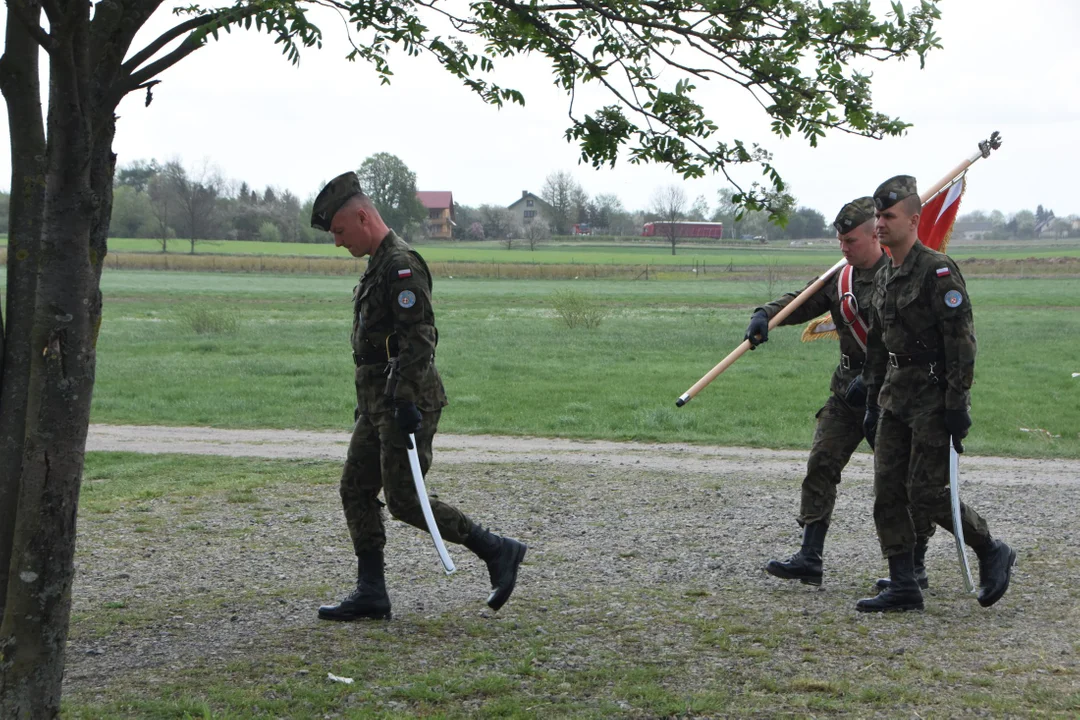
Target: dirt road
{"x":462,"y":449}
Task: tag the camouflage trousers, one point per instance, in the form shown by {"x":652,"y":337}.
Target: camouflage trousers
{"x":378,"y":460}
{"x":838,"y":433}
{"x":911,"y":467}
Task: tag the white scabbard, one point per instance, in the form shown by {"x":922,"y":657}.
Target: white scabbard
{"x":425,"y":505}
{"x":958,"y":528}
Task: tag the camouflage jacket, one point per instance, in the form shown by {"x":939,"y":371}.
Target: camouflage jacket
{"x":393,"y":303}
{"x":921,"y":307}
{"x":827,"y":300}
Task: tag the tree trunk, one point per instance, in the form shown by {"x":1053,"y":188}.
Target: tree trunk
{"x":19,"y":81}
{"x":65,"y":316}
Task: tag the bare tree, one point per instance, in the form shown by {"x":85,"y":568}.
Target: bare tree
{"x":498,"y":223}
{"x":606,"y":207}
{"x":669,"y":204}
{"x":566,"y":199}
{"x":196,"y":197}
{"x":534,"y":232}
{"x":699,"y":211}
{"x":162,"y":203}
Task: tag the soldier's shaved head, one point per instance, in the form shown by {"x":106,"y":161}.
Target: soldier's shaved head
{"x":912,"y":205}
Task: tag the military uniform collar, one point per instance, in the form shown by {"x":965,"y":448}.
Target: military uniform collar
{"x":909,"y":262}
{"x":383,"y":250}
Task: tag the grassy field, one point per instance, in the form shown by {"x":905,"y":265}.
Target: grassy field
{"x":511,"y":367}
{"x":777,"y":253}
{"x":491,"y":252}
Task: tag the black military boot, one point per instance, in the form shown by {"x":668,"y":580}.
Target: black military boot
{"x":903,"y":592}
{"x":503,"y":555}
{"x":995,"y":571}
{"x":369,"y":600}
{"x":805,"y":565}
{"x":920,"y":567}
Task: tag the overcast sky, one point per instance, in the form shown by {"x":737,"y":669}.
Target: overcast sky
{"x":239,"y":105}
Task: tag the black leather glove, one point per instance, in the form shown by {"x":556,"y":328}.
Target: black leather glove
{"x":408,"y":418}
{"x":957,"y":423}
{"x":869,"y":424}
{"x":856,"y":392}
{"x":758,"y":330}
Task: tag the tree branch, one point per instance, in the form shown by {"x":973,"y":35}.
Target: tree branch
{"x":23,"y":13}
{"x":52,"y":11}
{"x":137,"y":79}
{"x":132,"y":78}
{"x":161,"y":41}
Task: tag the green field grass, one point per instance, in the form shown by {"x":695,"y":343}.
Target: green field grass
{"x":510,"y":367}
{"x":778,"y":253}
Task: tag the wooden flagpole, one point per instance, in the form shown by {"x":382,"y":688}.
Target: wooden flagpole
{"x":984,"y":152}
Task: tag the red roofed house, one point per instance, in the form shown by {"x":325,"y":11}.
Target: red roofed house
{"x":440,"y":208}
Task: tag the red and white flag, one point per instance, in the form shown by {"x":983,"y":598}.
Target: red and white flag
{"x":939,"y":214}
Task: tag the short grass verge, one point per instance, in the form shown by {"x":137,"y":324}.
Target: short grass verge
{"x":511,"y":366}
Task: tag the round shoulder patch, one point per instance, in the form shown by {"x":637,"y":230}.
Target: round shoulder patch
{"x":954,"y":298}
{"x":407,"y":298}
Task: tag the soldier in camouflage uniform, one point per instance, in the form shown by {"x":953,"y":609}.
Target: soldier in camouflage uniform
{"x":394,"y":326}
{"x":918,"y":375}
{"x":846,"y":297}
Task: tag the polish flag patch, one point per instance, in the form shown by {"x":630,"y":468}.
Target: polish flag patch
{"x":943,"y":272}
{"x":407,"y":273}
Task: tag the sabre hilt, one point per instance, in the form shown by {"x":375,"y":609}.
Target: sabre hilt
{"x":391,"y":366}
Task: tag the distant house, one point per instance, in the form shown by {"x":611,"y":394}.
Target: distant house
{"x":529,"y":209}
{"x":976,"y":230}
{"x":440,"y":208}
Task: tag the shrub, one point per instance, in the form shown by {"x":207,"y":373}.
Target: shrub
{"x":206,"y":320}
{"x":578,"y":309}
{"x":269,"y":232}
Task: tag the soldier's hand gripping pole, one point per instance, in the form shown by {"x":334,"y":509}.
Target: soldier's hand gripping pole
{"x":417,"y":473}
{"x":745,"y":345}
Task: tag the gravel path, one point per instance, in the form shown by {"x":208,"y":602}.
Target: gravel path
{"x":630,"y":529}
{"x":459,"y":449}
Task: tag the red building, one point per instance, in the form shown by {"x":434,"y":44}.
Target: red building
{"x":440,"y":207}
{"x":713,"y":230}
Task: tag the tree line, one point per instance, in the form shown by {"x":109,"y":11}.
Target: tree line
{"x":171,"y":201}
{"x":1022,"y":225}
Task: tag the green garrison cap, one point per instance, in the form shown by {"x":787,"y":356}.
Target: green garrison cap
{"x":330,"y":199}
{"x":854,"y":214}
{"x":894,"y":190}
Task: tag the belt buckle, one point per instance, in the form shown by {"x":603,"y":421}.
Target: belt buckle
{"x":845,"y":361}
{"x":893,"y":360}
